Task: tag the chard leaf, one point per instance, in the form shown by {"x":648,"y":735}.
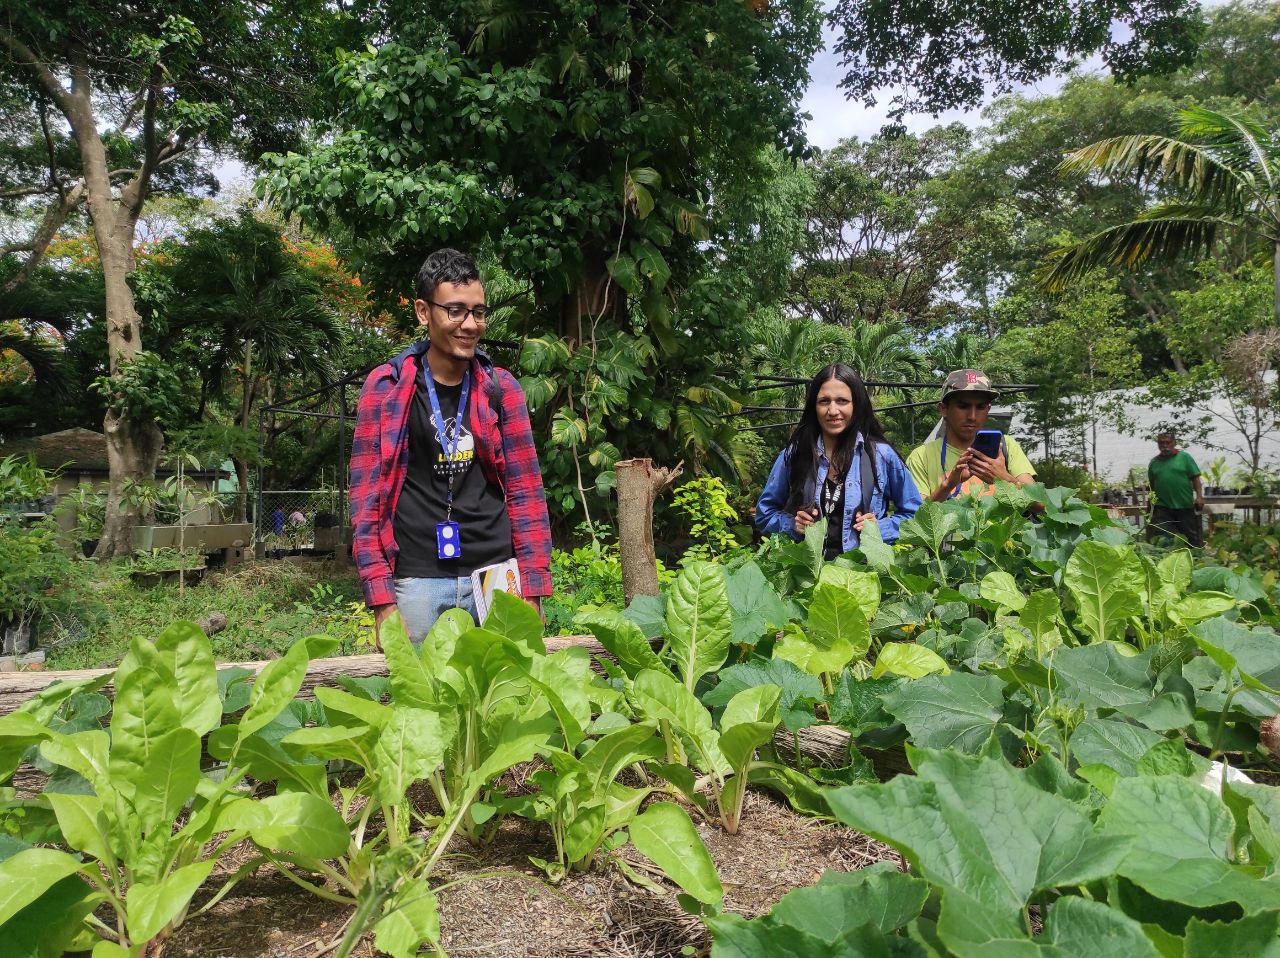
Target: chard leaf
{"x":1040,"y":614}
{"x":959,"y":710}
{"x":1199,"y":606}
{"x":660,"y":697}
{"x":409,"y":919}
{"x":294,"y":822}
{"x":622,"y":637}
{"x":410,"y":748}
{"x":151,"y":907}
{"x":615,"y":751}
{"x":411,"y":677}
{"x":748,"y":722}
{"x":145,"y":711}
{"x":664,"y":834}
{"x":1106,"y":582}
{"x":1178,"y":835}
{"x":279,"y":682}
{"x":191,"y":658}
{"x":30,"y":873}
{"x":698,"y":621}
{"x":516,"y":620}
{"x":168,"y":780}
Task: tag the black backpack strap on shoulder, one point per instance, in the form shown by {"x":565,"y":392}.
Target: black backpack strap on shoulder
{"x":868,"y":480}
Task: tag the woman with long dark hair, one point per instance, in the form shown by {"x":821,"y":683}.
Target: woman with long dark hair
{"x":838,"y":465}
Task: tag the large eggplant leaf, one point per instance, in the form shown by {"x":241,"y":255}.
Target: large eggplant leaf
{"x":800,"y":690}
{"x":757,"y":608}
{"x":1100,"y":677}
{"x":864,"y":586}
{"x":649,"y":613}
{"x":1002,"y":589}
{"x":664,"y":834}
{"x":857,"y":705}
{"x":1178,"y":835}
{"x":1106,"y":582}
{"x":1113,"y":743}
{"x":839,"y":915}
{"x":698,"y":622}
{"x":908,"y":660}
{"x":1257,"y":936}
{"x":930,"y":527}
{"x":959,"y":710}
{"x":977,"y":825}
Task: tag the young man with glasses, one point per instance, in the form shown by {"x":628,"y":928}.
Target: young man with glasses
{"x":949,"y":466}
{"x":445,"y":479}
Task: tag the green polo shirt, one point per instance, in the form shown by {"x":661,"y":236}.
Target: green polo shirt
{"x":1171,"y":480}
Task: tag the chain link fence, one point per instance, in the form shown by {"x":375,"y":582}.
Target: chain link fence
{"x":299,"y":521}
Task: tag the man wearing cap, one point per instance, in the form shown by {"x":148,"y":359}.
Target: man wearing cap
{"x":949,"y":467}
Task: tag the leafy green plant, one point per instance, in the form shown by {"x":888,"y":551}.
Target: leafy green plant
{"x":704,"y":503}
{"x":120,"y":808}
{"x":166,"y":560}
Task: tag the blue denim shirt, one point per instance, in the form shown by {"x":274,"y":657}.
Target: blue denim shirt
{"x":893,"y":484}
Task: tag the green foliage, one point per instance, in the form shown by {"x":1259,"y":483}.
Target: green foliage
{"x":704,"y":503}
{"x":144,"y":388}
{"x":38,"y":578}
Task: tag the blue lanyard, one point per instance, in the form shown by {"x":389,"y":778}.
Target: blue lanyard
{"x":943,"y":460}
{"x":449,"y":445}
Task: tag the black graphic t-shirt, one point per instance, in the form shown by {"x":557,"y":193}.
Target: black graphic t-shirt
{"x":478,"y":505}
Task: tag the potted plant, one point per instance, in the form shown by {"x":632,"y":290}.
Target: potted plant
{"x":156,"y":566}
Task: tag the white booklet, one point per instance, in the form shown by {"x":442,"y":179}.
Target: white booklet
{"x":499,"y":577}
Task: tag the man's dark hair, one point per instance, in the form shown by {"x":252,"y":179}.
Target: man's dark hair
{"x":445,"y":266}
{"x":1167,"y":434}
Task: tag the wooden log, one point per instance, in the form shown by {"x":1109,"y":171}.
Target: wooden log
{"x":17,"y":687}
{"x":828,"y":745}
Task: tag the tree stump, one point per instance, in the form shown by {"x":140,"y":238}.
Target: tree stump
{"x":639,"y":485}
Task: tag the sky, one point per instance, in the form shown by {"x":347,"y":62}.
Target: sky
{"x":835,"y":118}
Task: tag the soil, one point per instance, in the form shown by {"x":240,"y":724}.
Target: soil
{"x":519,"y":915}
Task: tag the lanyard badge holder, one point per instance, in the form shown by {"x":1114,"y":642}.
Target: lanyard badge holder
{"x":448,"y":537}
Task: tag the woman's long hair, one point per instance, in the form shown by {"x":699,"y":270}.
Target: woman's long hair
{"x":802,"y":448}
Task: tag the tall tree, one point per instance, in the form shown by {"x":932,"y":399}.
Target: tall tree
{"x":944,"y":55}
{"x":588,"y":144}
{"x":1225,"y":174}
{"x":883,"y":230}
{"x":146,"y":84}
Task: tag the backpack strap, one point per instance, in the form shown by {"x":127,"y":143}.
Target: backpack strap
{"x":868,"y":480}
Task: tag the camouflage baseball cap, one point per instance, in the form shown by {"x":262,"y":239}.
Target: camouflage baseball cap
{"x":967,"y":381}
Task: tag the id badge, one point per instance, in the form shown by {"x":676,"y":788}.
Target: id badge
{"x":448,"y":543}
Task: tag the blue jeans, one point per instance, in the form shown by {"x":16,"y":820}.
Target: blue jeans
{"x":422,"y":601}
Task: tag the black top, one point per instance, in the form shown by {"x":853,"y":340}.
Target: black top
{"x":478,"y":505}
{"x":832,"y":507}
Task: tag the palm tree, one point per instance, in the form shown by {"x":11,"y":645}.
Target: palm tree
{"x":1224,"y":172}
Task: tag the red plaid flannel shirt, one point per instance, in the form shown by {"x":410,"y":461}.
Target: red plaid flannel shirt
{"x":380,"y":461}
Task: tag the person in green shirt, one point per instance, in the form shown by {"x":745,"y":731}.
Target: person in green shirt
{"x":949,"y":467}
{"x":1176,"y":493}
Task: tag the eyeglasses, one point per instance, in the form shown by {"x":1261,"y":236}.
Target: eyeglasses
{"x":457,"y":312}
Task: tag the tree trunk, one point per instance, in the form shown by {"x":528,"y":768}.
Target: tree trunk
{"x":594,"y":296}
{"x":639,"y":484}
{"x":1275,"y":283}
{"x":133,"y":444}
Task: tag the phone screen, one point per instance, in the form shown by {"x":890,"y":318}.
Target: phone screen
{"x":987,"y":442}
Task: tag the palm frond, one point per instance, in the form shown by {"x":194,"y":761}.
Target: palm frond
{"x":1187,"y":166}
{"x":1165,"y":232}
{"x":1244,"y":141}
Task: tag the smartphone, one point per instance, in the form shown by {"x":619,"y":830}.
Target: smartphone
{"x":988,"y":441}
